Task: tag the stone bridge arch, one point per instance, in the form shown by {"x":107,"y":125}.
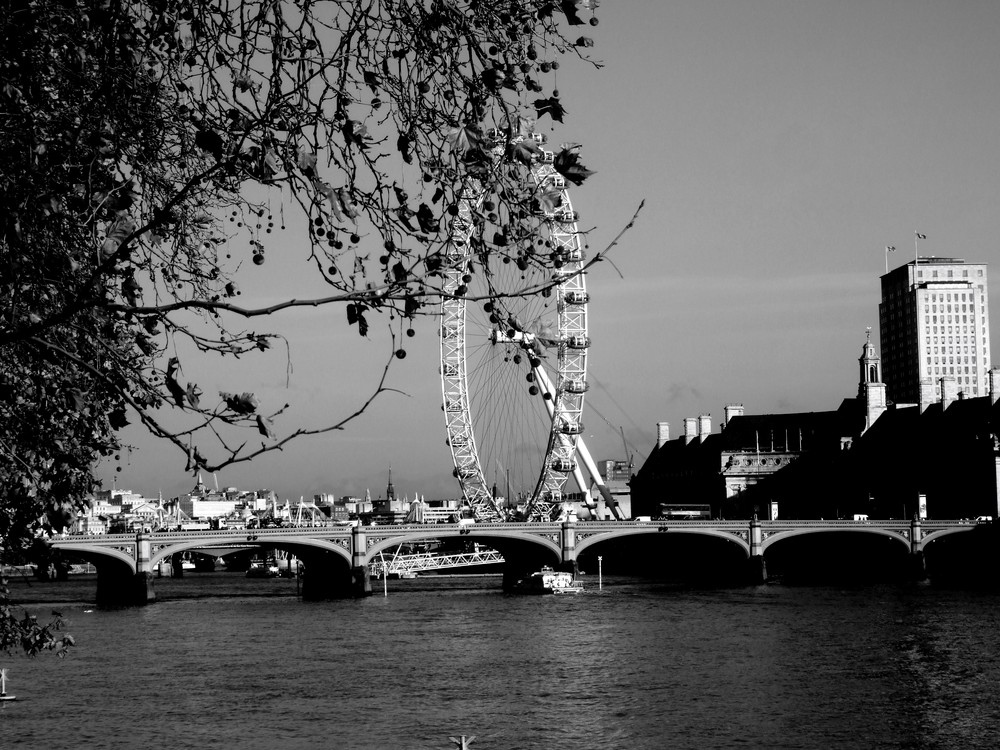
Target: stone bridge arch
{"x":585,"y":539}
{"x":778,"y":536}
{"x":525,"y":548}
{"x":496,"y":538}
{"x":105,"y":556}
{"x":300,"y":547}
{"x":936,"y":534}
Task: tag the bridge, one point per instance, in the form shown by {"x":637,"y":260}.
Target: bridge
{"x":337,"y":560}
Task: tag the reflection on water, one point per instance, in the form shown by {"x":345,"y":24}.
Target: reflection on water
{"x":636,"y":665}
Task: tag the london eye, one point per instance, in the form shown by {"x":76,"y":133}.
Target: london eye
{"x":514,"y":345}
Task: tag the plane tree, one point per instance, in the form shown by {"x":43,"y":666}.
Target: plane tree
{"x":154,"y":150}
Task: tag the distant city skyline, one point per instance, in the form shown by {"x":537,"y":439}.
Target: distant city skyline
{"x":780,"y":147}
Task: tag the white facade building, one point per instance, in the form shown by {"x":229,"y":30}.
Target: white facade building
{"x":934,"y":322}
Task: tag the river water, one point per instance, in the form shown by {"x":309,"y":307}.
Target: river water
{"x":221,"y":661}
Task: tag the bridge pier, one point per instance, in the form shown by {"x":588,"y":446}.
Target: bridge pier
{"x":918,"y":563}
{"x":132,"y":590}
{"x":756,"y":565}
{"x":361,"y":584}
{"x":118,"y":586}
{"x":327,"y":577}
{"x":176,"y":565}
{"x":568,"y":538}
{"x":756,"y":570}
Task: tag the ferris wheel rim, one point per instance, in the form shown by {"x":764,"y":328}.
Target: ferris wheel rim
{"x":566,"y":394}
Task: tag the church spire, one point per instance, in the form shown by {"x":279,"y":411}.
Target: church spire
{"x":871,"y":389}
{"x":390,"y":491}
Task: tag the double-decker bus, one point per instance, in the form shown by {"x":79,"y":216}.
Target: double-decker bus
{"x":680,"y":511}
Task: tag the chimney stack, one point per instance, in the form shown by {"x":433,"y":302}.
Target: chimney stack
{"x":731,"y":410}
{"x":949,"y":391}
{"x":704,"y":426}
{"x":926,"y":393}
{"x":662,"y":433}
{"x":690,"y":429}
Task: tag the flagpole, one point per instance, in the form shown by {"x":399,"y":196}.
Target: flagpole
{"x":888,"y":249}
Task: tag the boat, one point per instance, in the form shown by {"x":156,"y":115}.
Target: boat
{"x":3,"y":687}
{"x":262,"y":570}
{"x":548,"y":581}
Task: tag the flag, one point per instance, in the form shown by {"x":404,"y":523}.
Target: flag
{"x":920,"y":236}
{"x":890,"y":248}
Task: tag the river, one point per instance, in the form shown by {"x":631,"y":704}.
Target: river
{"x":221,"y":661}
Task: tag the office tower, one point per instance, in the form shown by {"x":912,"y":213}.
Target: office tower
{"x":934,"y":323}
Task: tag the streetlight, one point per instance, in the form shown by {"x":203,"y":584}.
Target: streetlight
{"x":600,"y":576}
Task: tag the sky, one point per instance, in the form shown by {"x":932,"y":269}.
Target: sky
{"x":779,"y":146}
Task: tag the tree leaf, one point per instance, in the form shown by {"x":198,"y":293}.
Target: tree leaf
{"x":241,"y":403}
{"x":464,"y":138}
{"x":210,"y":141}
{"x":122,"y":228}
{"x":567,"y":163}
{"x":177,"y":392}
{"x":427,"y":220}
{"x":264,"y":426}
{"x":569,"y":7}
{"x":551,"y":107}
{"x":524,"y":150}
{"x":306,"y":161}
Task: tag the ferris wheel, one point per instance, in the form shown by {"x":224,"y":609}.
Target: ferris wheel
{"x":514,"y":364}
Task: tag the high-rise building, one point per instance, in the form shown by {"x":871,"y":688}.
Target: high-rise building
{"x":934,"y":323}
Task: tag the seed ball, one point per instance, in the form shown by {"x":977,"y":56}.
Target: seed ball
{"x":467,"y":278}
{"x":410,"y":332}
{"x":462,"y":289}
{"x":555,"y":66}
{"x":355,"y":239}
{"x":400,"y":354}
{"x":533,"y":390}
{"x":383,"y":259}
{"x":594,"y":22}
{"x":332,"y":270}
{"x":258,"y":259}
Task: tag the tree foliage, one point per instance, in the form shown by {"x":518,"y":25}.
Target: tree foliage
{"x":153,"y":148}
{"x":21,"y":630}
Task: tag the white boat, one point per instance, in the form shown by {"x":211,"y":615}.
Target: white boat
{"x":3,"y":687}
{"x":548,"y":581}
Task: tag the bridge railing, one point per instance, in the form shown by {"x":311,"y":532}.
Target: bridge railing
{"x":486,"y":528}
